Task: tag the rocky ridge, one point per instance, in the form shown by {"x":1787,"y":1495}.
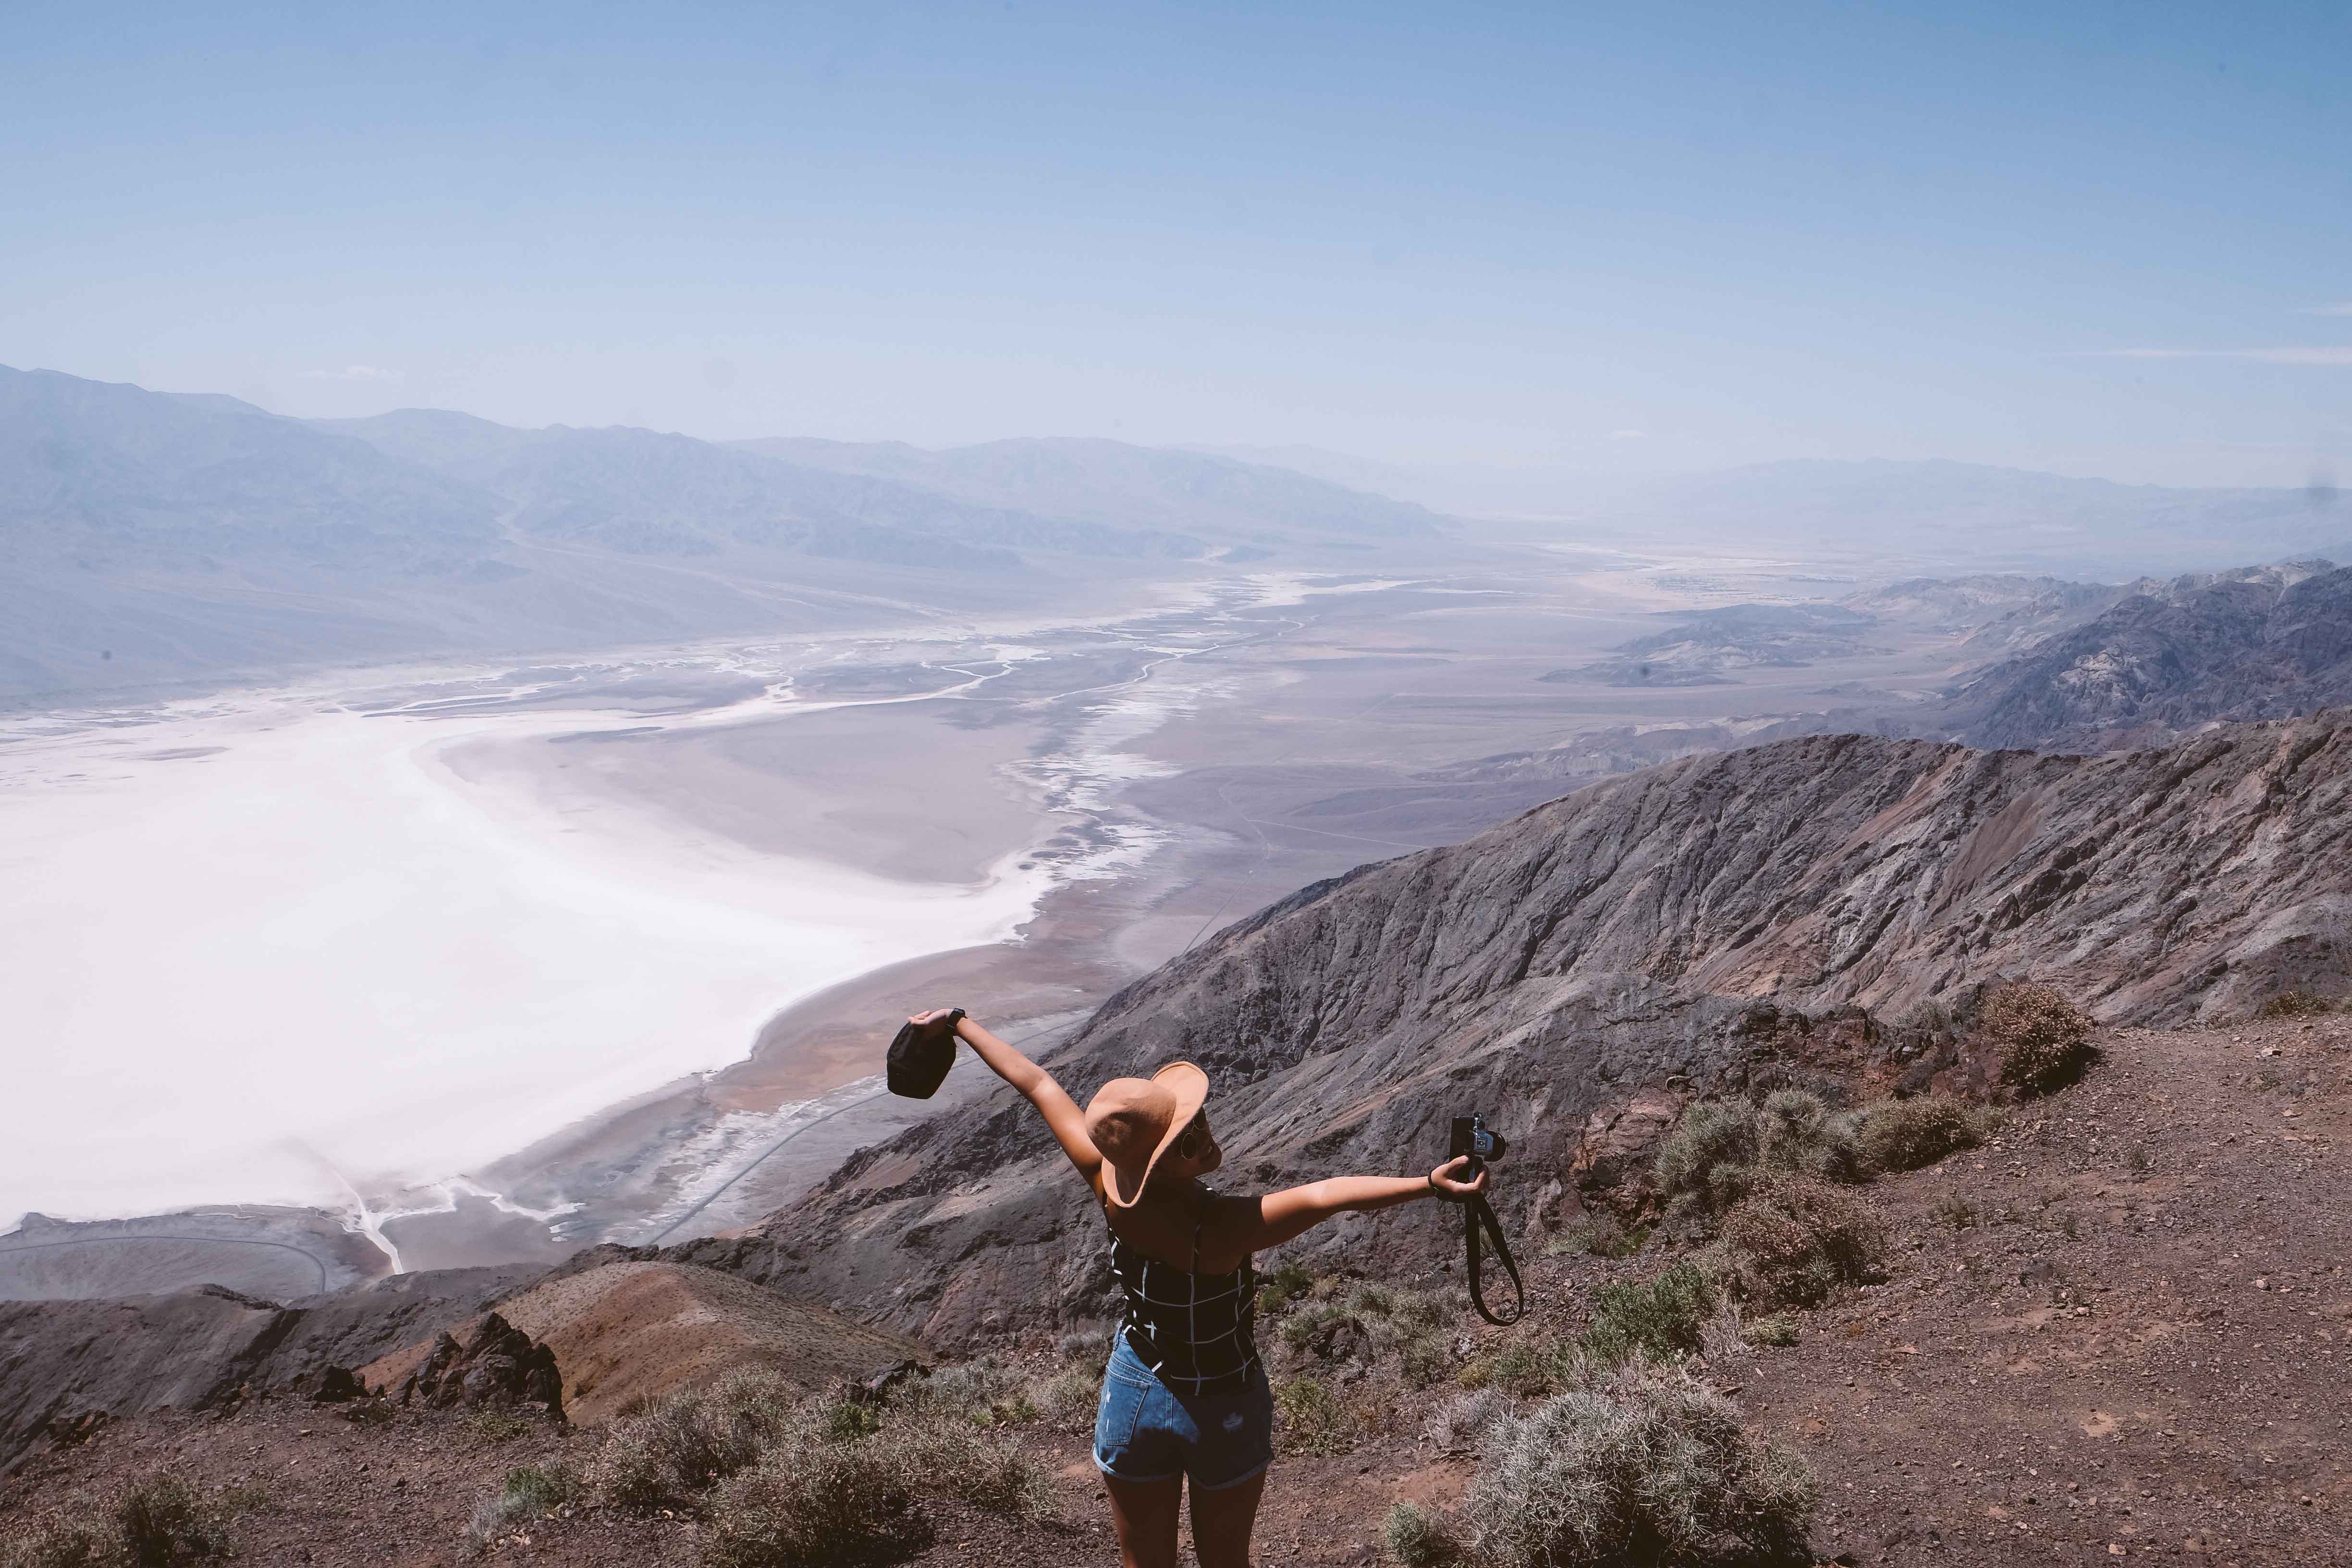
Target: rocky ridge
{"x":1815,"y":911}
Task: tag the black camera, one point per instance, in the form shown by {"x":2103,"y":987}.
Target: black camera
{"x":1473,"y":1137}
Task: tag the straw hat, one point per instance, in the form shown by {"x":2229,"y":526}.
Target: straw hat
{"x":1132,"y":1122}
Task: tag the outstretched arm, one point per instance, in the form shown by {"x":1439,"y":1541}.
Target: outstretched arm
{"x":1238,"y":1226}
{"x":1037,"y":1085}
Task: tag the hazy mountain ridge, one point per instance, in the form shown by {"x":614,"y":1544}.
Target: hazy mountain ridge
{"x":643,"y":493}
{"x":1647,"y":930}
{"x":150,"y":538}
{"x":103,"y":476}
{"x":1098,"y":480}
{"x":1948,"y":511}
{"x":2168,"y":659}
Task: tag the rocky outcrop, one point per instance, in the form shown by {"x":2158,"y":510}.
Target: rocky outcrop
{"x":2265,"y":643}
{"x":63,"y":1361}
{"x":1811,"y":911}
{"x":496,"y":1367}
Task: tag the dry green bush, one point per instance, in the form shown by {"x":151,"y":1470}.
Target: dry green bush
{"x":527,"y":1492}
{"x":1644,"y":1466}
{"x":1794,"y":1240}
{"x":1418,"y":1537}
{"x":1796,"y":1131}
{"x":2044,"y":1040}
{"x":1720,"y":1149}
{"x":1708,"y":1161}
{"x":1311,"y":1418}
{"x":1911,"y":1134}
{"x":2296,"y":1004}
{"x":1461,"y":1424}
{"x":1774,"y":1328}
{"x":1599,"y":1236}
{"x":1664,"y":1319}
{"x":685,"y":1442}
{"x":807,"y":1504}
{"x":156,"y":1521}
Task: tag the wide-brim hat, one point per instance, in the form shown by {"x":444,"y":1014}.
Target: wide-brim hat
{"x":1132,"y":1122}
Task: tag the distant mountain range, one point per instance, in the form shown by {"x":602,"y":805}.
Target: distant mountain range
{"x":2169,"y":658}
{"x":1977,"y":517}
{"x":150,"y":537}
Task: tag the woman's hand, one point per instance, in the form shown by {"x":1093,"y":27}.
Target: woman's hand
{"x":1442,"y":1181}
{"x":928,"y":1019}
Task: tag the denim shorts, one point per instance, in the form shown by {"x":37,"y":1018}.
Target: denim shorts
{"x":1146,"y":1431}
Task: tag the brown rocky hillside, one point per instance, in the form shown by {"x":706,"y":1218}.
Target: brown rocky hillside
{"x":1816,"y":912}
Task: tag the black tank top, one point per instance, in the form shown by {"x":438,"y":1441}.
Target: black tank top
{"x":1195,"y":1331}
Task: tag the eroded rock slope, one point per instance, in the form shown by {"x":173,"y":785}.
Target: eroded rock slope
{"x":1813,"y":910}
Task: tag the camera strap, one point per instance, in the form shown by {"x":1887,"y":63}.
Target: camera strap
{"x":1477,"y":1212}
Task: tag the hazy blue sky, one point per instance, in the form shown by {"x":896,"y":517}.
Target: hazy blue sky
{"x":2106,"y":238}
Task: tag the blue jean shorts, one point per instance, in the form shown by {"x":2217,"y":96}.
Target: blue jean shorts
{"x":1147,"y":1431}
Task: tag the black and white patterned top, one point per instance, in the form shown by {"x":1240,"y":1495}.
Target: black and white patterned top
{"x":1195,"y":1331}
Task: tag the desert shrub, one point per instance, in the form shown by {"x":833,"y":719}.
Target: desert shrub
{"x":1522,"y":1366}
{"x":1600,"y":1236}
{"x":984,"y":1391}
{"x":1723,"y":1339}
{"x":1087,"y":1345}
{"x":1796,"y":1131}
{"x":1425,"y":1359}
{"x":1649,"y":1466}
{"x":1954,"y":1211}
{"x":164,"y":1519}
{"x":2296,"y":1005}
{"x":1462,"y":1423}
{"x":1280,"y":1288}
{"x":2044,"y":1040}
{"x":814,"y":1503}
{"x":493,"y":1424}
{"x":60,"y":1539}
{"x":1910,"y":1134}
{"x":940,"y":1451}
{"x":684,"y":1442}
{"x":1774,"y":1328}
{"x":1309,"y":1418}
{"x":1418,"y":1538}
{"x":1660,"y":1320}
{"x":1069,"y":1398}
{"x":527,"y":1492}
{"x":1708,"y":1161}
{"x":1794,"y":1240}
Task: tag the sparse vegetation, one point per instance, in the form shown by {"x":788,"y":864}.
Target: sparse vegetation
{"x":1794,"y":1240}
{"x":1954,"y":1211}
{"x":1778,"y":1330}
{"x":1647,"y":1464}
{"x":1280,"y":1288}
{"x":2044,"y":1040}
{"x":785,"y":1480}
{"x":1309,"y":1418}
{"x":2296,"y":1004}
{"x":1708,"y":1161}
{"x":1461,"y":1424}
{"x":1914,"y":1133}
{"x":1418,"y":1537}
{"x":527,"y":1492}
{"x":1661,"y":1319}
{"x":157,"y":1522}
{"x":1599,"y":1236}
{"x":496,"y":1425}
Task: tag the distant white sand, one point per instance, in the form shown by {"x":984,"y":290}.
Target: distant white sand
{"x":317,"y":955}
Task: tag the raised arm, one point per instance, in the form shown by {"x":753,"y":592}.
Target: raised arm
{"x":1061,"y":1113}
{"x":1238,"y":1226}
